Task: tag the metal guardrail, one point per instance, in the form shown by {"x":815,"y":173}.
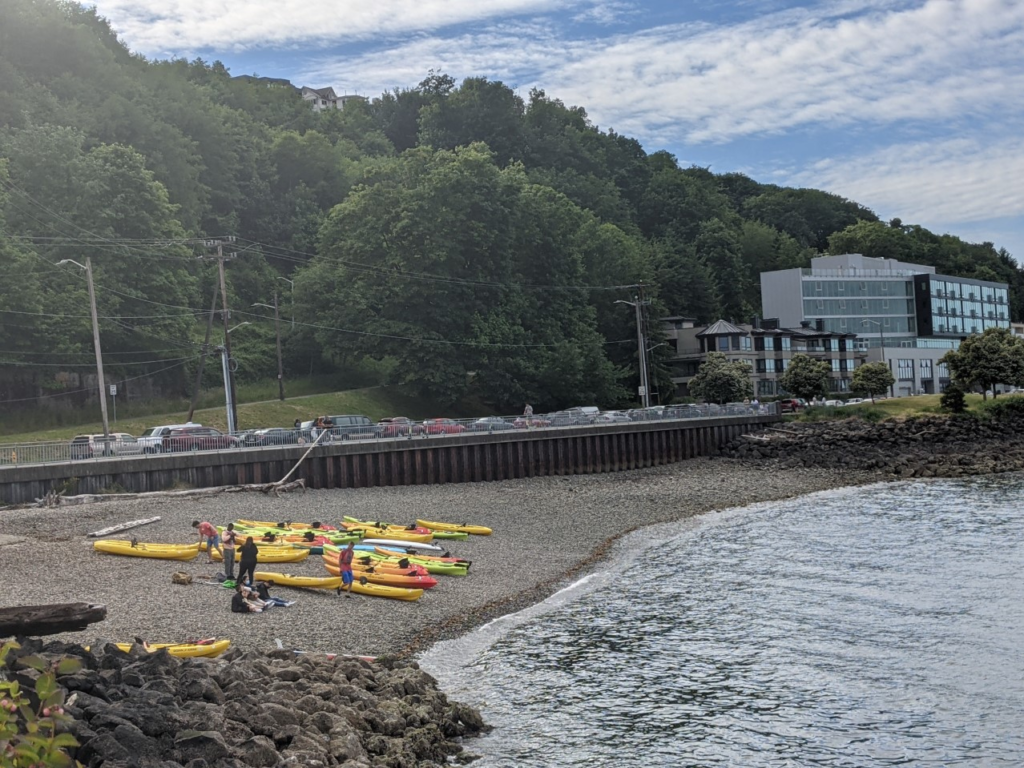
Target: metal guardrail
{"x":72,"y":452}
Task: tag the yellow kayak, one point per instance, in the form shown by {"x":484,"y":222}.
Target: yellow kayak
{"x":373,"y":532}
{"x":305,"y":582}
{"x":476,"y":530}
{"x":287,"y":526}
{"x":270,"y":555}
{"x":157,"y":551}
{"x":182,"y":650}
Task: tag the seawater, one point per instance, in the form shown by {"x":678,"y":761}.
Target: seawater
{"x":873,"y":626}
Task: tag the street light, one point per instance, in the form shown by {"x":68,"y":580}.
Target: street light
{"x":229,"y":389}
{"x":277,"y":331}
{"x":645,"y":396}
{"x":881,"y":336}
{"x":292,"y":284}
{"x":96,"y":345}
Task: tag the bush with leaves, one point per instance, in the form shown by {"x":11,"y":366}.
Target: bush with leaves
{"x":953,"y":399}
{"x":719,"y":380}
{"x":872,"y":379}
{"x":31,"y":721}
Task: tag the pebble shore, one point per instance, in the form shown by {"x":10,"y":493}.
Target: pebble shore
{"x":546,"y":530}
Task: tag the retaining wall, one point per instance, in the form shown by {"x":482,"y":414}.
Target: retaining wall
{"x":417,"y":461}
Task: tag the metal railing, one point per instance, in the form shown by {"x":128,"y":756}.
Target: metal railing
{"x":79,"y":451}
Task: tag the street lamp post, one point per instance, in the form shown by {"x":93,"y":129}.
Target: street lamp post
{"x":645,"y":394}
{"x":229,"y":383}
{"x":96,"y":345}
{"x":292,"y":284}
{"x":277,"y":330}
{"x":881,"y":337}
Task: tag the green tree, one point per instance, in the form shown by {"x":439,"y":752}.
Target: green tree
{"x":720,"y":381}
{"x":872,"y":379}
{"x":953,"y":398}
{"x":994,"y":357}
{"x":806,"y":377}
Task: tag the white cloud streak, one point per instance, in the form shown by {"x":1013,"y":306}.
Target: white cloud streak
{"x":697,"y":83}
{"x":952,"y":181}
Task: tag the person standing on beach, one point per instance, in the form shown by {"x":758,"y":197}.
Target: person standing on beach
{"x":345,"y":566}
{"x":247,"y":564}
{"x":228,"y":541}
{"x":208,"y":532}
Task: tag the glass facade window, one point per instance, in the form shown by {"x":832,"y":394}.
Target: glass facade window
{"x":943,"y":370}
{"x":766,"y":387}
{"x":781,"y":364}
{"x":769,"y":365}
{"x":723,"y":343}
{"x":905,"y":369}
{"x":735,"y":342}
{"x":786,"y":343}
{"x":926,"y":370}
{"x":855,"y":289}
{"x":746,"y":343}
{"x":835,"y":365}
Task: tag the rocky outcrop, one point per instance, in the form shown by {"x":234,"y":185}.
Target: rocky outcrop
{"x":925,"y":446}
{"x":142,"y":710}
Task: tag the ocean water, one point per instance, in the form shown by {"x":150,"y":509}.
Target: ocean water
{"x":863,"y":627}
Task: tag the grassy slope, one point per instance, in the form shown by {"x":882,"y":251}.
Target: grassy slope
{"x":375,"y":402}
{"x":899,"y":407}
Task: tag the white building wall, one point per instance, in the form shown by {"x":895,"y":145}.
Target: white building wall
{"x":782,"y":296}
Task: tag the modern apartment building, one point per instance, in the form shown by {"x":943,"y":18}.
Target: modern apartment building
{"x":765,"y":346}
{"x":903,"y":314}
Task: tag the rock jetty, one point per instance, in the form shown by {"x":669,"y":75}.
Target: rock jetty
{"x":923,"y":446}
{"x":152,"y":710}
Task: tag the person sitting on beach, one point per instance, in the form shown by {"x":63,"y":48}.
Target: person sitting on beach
{"x":239,"y":604}
{"x":208,"y":532}
{"x":263,"y":593}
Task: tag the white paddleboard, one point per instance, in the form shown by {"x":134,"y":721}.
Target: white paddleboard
{"x":397,"y":543}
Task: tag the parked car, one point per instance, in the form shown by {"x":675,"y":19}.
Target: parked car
{"x":682,"y":411}
{"x":118,"y":444}
{"x":398,"y":426}
{"x":197,"y":439}
{"x":612,"y":417}
{"x":585,"y":413}
{"x":442,"y":427}
{"x":270,"y":436}
{"x":490,"y":424}
{"x":790,"y":405}
{"x":647,"y":414}
{"x":532,"y":422}
{"x":152,"y":440}
{"x":348,"y":426}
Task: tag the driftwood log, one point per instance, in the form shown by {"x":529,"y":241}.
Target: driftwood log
{"x":56,"y":500}
{"x":49,"y":619}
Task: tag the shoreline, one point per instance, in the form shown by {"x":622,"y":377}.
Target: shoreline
{"x":547,"y":531}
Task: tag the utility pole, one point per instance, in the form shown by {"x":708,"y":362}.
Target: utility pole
{"x":96,"y":345}
{"x":229,"y":382}
{"x":638,"y":304}
{"x":292,"y":284}
{"x":277,"y":330}
{"x":202,"y":358}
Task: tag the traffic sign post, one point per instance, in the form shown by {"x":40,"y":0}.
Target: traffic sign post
{"x":113,"y":394}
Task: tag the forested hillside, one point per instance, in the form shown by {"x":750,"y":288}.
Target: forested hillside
{"x":457,"y":237}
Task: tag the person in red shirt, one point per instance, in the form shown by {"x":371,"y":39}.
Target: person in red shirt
{"x":345,"y":566}
{"x":208,"y":532}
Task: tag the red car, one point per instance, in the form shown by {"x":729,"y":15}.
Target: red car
{"x":399,"y":426}
{"x":442,"y":427}
{"x":197,"y":439}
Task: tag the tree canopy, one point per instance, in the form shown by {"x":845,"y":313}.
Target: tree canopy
{"x":720,"y":380}
{"x":872,"y":380}
{"x":455,"y":236}
{"x":994,"y":357}
{"x":806,"y":377}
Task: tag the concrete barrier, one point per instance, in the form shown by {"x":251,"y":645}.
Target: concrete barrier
{"x":468,"y":457}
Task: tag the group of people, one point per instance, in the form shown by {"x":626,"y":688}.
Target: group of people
{"x":226,"y":546}
{"x":245,"y":599}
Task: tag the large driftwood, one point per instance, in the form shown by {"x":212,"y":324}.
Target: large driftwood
{"x":127,"y":526}
{"x":56,"y":500}
{"x":49,"y":619}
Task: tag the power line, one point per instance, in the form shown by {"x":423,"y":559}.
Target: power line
{"x":90,"y":389}
{"x":89,"y":365}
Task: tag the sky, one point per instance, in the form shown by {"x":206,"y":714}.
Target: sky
{"x":912,"y":108}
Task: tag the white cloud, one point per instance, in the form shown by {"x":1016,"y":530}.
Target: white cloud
{"x":936,"y":184}
{"x":837,"y":65}
{"x":164,"y":27}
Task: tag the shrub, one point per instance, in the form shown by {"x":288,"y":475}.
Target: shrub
{"x":30,"y":721}
{"x":953,"y":399}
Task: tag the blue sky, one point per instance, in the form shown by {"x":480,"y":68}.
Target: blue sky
{"x":914,"y":108}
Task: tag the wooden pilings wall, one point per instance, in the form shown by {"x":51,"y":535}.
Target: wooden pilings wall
{"x":453,"y":459}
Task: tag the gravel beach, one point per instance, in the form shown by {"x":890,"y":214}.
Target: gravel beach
{"x":546,"y":530}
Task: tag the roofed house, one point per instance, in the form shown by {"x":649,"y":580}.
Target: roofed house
{"x":766,"y":347}
{"x":325,"y":98}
